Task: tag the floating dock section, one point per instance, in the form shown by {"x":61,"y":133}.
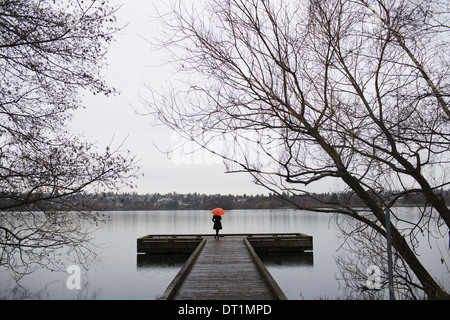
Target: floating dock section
{"x":227,"y":268}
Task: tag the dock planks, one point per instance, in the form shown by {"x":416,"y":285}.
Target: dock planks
{"x":224,"y":270}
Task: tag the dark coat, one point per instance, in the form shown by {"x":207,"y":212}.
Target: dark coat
{"x":217,"y":223}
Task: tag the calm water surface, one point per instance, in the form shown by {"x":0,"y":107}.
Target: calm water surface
{"x":122,"y":274}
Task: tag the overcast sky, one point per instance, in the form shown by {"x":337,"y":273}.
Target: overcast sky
{"x":133,"y":62}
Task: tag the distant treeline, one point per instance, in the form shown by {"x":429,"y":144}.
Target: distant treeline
{"x":190,"y":201}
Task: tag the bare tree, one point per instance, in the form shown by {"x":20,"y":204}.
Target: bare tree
{"x":49,"y":52}
{"x":417,"y":32}
{"x":362,"y":259}
{"x":295,"y":93}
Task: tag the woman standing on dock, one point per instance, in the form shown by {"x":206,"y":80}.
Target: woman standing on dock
{"x":217,"y":225}
{"x":217,"y":219}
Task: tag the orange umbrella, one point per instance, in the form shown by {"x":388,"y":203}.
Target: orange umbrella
{"x":218,"y":211}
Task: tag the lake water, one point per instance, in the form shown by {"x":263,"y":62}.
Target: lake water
{"x":122,"y":274}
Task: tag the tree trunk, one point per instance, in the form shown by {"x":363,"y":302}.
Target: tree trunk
{"x":430,"y":287}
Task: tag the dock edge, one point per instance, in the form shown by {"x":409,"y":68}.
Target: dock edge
{"x":270,"y":281}
{"x":172,"y":289}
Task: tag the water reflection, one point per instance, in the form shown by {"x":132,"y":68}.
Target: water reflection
{"x":152,"y":262}
{"x":290,"y":271}
{"x":53,"y":290}
{"x":287,"y":260}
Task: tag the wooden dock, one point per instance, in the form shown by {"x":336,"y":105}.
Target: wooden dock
{"x":225,"y":269}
